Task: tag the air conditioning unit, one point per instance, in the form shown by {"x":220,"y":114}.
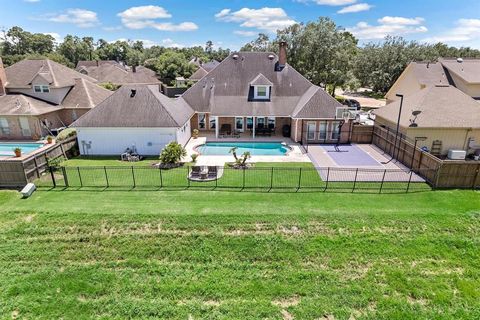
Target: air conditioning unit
{"x":456,"y":154}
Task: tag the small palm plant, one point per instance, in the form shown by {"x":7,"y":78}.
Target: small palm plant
{"x":241,"y":161}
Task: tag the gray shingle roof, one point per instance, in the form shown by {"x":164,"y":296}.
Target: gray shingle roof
{"x":440,"y":106}
{"x":225,"y":90}
{"x":85,"y":95}
{"x":117,"y":74}
{"x":468,"y":70}
{"x":429,"y":73}
{"x":199,"y":74}
{"x":148,"y":108}
{"x":19,"y":104}
{"x":209,"y":66}
{"x":21,"y":74}
{"x":260,"y":80}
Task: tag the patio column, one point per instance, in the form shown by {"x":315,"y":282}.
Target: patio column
{"x":216,"y":127}
{"x":253,"y":127}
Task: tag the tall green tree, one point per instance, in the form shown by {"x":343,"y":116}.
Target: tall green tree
{"x":172,"y":64}
{"x":17,"y":41}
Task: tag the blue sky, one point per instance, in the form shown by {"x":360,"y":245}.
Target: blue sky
{"x":235,"y":22}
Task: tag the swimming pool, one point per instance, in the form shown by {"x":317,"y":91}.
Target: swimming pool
{"x":255,"y":148}
{"x":6,"y":148}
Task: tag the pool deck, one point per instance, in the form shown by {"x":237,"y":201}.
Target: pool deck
{"x":295,"y":155}
{"x":27,"y":155}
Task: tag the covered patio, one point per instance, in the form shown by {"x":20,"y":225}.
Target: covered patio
{"x":245,"y":127}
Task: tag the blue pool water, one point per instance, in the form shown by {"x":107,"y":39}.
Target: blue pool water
{"x":6,"y":149}
{"x":255,"y":148}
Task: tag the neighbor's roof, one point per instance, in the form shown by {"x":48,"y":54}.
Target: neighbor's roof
{"x":19,"y":104}
{"x":209,"y":66}
{"x":85,"y":95}
{"x":226,"y":90}
{"x":22,"y":73}
{"x":429,"y":73}
{"x":94,"y":63}
{"x":148,"y":108}
{"x":199,"y":74}
{"x":468,"y":70}
{"x":440,"y":106}
{"x":118,"y":74}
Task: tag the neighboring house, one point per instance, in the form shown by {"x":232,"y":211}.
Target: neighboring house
{"x":38,"y":96}
{"x":203,"y":68}
{"x":117,"y":73}
{"x":251,"y":92}
{"x":134,"y":116}
{"x":444,"y":96}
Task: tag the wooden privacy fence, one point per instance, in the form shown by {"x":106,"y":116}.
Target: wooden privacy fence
{"x":17,"y":173}
{"x":438,"y":173}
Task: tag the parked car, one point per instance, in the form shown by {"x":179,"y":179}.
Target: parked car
{"x":352,"y":103}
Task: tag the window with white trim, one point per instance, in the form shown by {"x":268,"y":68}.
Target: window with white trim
{"x":261,"y":92}
{"x":212,"y":122}
{"x":25,"y":126}
{"x":4,"y":127}
{"x":271,"y":122}
{"x":202,"y":121}
{"x":322,"y":132}
{"x":41,"y":89}
{"x":335,"y":130}
{"x":311,"y":128}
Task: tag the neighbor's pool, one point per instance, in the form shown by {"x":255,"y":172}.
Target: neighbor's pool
{"x":255,"y":148}
{"x":6,"y":148}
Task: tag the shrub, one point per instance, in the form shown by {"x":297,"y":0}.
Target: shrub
{"x":55,"y":163}
{"x":172,"y":153}
{"x":67,"y":133}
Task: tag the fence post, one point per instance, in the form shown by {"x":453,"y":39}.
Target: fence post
{"x":53,"y":176}
{"x":216,"y":178}
{"x":243,"y":185}
{"x":437,"y":177}
{"x":409,"y":181}
{"x":271,"y":179}
{"x":65,"y":178}
{"x":79,"y":176}
{"x":475,"y":178}
{"x":299,"y":179}
{"x":36,"y":166}
{"x":383,"y":180}
{"x":328,"y":176}
{"x":161,"y":178}
{"x":355,"y":181}
{"x":133,"y":176}
{"x":106,"y":176}
{"x":188,"y":180}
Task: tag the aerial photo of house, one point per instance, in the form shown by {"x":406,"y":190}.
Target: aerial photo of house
{"x":314,"y":159}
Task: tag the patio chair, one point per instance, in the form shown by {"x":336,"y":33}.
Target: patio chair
{"x":226,"y":129}
{"x":195,"y":172}
{"x":212,"y":172}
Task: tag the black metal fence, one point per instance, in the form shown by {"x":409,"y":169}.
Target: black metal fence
{"x":258,"y":178}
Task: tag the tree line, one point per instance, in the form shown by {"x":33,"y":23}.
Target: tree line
{"x":323,"y":52}
{"x":17,"y":44}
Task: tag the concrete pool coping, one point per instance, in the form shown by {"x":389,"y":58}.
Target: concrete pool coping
{"x":45,"y":147}
{"x":296,"y":154}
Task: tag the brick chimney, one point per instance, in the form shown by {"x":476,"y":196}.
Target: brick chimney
{"x":3,"y":79}
{"x":282,"y":54}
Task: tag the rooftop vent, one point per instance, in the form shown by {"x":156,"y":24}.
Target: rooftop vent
{"x":235,"y":56}
{"x":271,"y":57}
{"x":459,"y":60}
{"x":133,"y":93}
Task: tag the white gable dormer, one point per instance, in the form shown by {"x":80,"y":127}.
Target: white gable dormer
{"x":262,"y":87}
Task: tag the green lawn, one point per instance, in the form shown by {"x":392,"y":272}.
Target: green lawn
{"x":110,"y":172}
{"x":200,"y":254}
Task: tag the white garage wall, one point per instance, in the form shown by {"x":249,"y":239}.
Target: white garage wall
{"x":114,"y":141}
{"x":184,"y":133}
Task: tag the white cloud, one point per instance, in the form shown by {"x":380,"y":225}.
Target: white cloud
{"x":115,"y":28}
{"x":355,"y":8}
{"x":169,"y":43}
{"x":245,"y":33}
{"x":388,"y":26}
{"x":335,"y":2}
{"x":57,"y":38}
{"x":80,"y":17}
{"x":145,"y":17}
{"x":465,"y":30}
{"x":267,"y":19}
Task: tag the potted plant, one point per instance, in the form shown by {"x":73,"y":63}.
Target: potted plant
{"x":194,"y":157}
{"x":18,"y":152}
{"x":195,"y":133}
{"x":49,"y":139}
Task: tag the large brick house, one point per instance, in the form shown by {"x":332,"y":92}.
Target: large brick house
{"x":38,"y":96}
